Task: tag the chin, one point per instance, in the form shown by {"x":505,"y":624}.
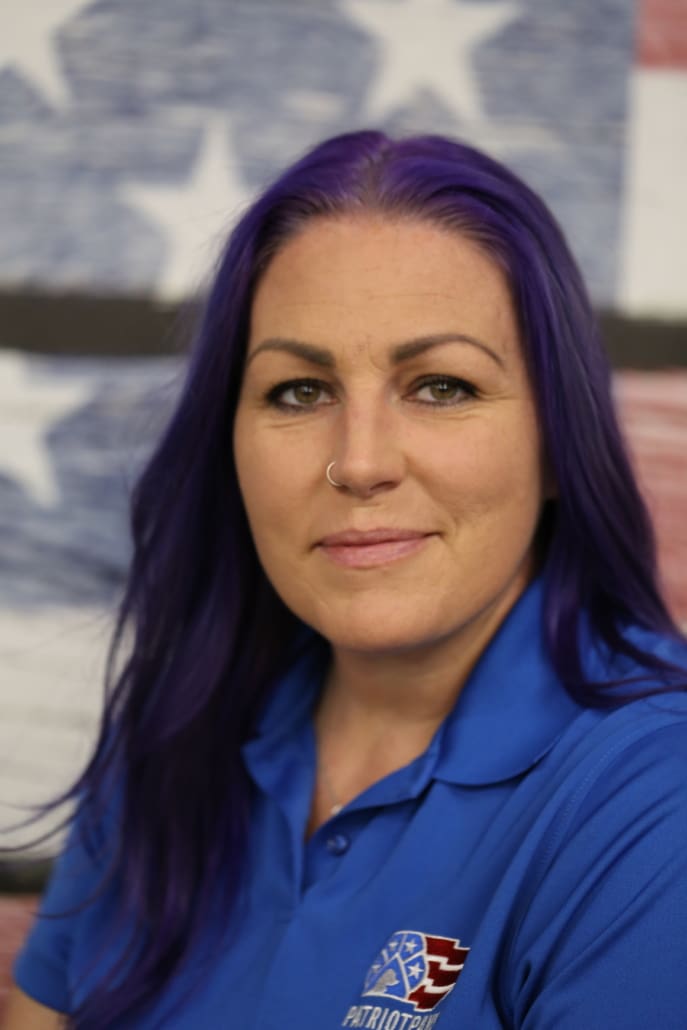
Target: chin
{"x":373,"y":634}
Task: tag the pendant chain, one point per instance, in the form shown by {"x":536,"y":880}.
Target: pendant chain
{"x":337,"y":805}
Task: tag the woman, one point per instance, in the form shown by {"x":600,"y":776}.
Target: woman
{"x":402,"y":735}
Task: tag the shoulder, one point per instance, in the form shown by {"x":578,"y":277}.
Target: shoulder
{"x":599,"y":930}
{"x":643,"y":740}
{"x":641,"y":745}
{"x":617,"y":794}
{"x":651,"y":659}
{"x":78,"y":888}
{"x":642,"y":752}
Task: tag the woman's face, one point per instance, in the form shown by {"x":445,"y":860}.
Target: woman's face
{"x":390,"y":348}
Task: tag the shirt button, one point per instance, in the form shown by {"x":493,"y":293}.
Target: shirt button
{"x":337,"y":844}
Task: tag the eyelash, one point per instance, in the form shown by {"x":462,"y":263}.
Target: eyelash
{"x":274,"y":397}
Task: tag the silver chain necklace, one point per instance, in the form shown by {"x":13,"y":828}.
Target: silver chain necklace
{"x":326,"y":782}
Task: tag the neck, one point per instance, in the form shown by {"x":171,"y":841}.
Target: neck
{"x":377,"y":712}
{"x":373,"y":718}
{"x":373,"y":697}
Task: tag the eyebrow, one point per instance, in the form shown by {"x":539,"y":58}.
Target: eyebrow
{"x":399,"y":353}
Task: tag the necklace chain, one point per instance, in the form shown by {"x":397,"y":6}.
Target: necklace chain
{"x":337,"y":804}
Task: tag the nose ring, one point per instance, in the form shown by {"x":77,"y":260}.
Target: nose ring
{"x":328,"y":474}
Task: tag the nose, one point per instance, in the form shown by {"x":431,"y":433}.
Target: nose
{"x":367,"y":453}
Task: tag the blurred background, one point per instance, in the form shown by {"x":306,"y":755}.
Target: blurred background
{"x":133,"y":133}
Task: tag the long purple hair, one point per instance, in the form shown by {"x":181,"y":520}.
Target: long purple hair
{"x":207,"y":635}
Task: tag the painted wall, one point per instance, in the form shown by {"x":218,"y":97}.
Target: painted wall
{"x":131,"y":133}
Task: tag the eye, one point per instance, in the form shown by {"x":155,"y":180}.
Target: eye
{"x":440,"y":390}
{"x":298,"y":394}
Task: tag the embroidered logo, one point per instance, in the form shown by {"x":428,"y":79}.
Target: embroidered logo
{"x":416,"y":968}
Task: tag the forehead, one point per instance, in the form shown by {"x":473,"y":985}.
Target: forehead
{"x":355,"y":281}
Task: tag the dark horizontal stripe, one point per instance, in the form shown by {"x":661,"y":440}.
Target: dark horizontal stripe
{"x":79,"y":323}
{"x":24,"y":875}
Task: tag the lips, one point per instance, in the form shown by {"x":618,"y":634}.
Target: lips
{"x":361,"y":538}
{"x":358,"y":549}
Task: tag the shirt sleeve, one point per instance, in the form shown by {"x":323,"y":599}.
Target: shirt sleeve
{"x":603,"y":942}
{"x":42,"y":968}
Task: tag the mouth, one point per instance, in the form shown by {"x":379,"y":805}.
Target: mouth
{"x":361,"y":550}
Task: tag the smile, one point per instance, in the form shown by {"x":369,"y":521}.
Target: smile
{"x":366,"y":550}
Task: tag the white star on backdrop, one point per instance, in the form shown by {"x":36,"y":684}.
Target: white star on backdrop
{"x":26,"y":31}
{"x":428,"y":44}
{"x":195,"y":215}
{"x":28,"y":408}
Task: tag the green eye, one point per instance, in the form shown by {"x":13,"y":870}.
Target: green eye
{"x":299,"y":394}
{"x":443,"y":390}
{"x":304,"y":393}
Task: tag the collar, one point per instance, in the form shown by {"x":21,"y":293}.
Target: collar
{"x":513,"y":707}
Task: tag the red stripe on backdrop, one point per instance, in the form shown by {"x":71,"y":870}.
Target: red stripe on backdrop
{"x":16,"y":916}
{"x":662,"y":33}
{"x":653,"y":408}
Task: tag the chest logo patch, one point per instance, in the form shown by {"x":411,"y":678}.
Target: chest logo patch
{"x":416,"y":968}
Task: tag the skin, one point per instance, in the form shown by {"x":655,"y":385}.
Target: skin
{"x":462,"y":464}
{"x":23,"y":1013}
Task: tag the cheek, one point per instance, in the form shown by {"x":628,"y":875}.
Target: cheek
{"x":256,"y":501}
{"x":267,"y":515}
{"x":273,"y":490}
{"x":255,"y":480}
{"x":493,"y":475}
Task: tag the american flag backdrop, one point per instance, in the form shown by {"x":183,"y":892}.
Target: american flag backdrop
{"x":132,"y":133}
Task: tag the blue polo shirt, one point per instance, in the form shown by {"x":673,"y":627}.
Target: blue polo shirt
{"x":529,"y":870}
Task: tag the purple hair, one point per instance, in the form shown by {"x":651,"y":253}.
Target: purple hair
{"x":209,"y":633}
